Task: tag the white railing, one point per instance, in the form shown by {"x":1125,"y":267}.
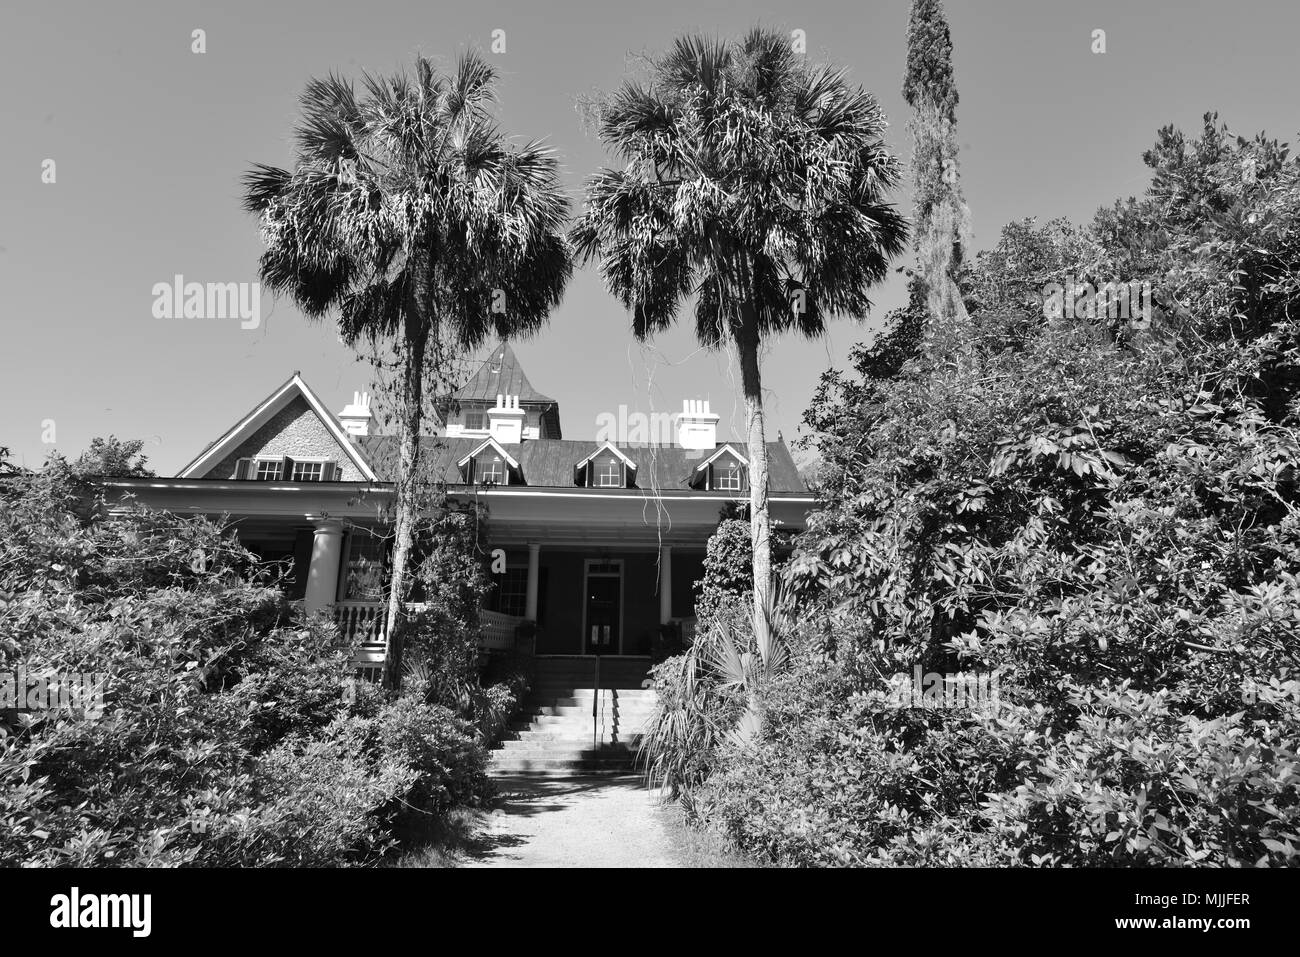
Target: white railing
{"x":498,"y":630}
{"x":363,"y":621}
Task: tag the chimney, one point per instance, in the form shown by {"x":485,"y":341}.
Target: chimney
{"x":356,"y":417}
{"x":697,"y":427}
{"x":506,"y":420}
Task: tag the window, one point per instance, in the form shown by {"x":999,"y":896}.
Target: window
{"x":282,"y":468}
{"x":726,"y":477}
{"x":609,"y":474}
{"x":366,"y":578}
{"x":512,"y":591}
{"x":490,"y":471}
{"x":475,"y":420}
{"x":309,"y":471}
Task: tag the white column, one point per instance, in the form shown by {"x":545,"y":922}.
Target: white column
{"x":665,"y":584}
{"x":323,"y":574}
{"x":530,"y":597}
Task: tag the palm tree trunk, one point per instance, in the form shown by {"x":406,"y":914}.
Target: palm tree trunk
{"x":415,"y":338}
{"x":752,"y":387}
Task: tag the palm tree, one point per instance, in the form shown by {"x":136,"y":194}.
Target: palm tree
{"x":410,"y":219}
{"x":756,"y":183}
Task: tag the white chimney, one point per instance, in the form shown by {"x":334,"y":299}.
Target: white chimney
{"x":697,"y":427}
{"x":506,"y":420}
{"x":356,"y":417}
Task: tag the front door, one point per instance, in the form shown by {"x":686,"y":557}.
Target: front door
{"x":604,"y":587}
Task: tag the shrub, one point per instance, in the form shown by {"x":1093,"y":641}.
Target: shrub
{"x":1107,"y":517}
{"x":226,"y":737}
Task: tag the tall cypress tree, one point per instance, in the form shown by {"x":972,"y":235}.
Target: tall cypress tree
{"x":941,"y":231}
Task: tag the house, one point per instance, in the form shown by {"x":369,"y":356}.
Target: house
{"x":602,"y":542}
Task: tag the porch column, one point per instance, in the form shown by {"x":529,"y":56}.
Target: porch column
{"x":530,"y":596}
{"x":665,"y":584}
{"x":323,"y":573}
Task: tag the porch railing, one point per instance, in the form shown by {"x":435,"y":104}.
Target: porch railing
{"x":363,"y":622}
{"x":498,"y":630}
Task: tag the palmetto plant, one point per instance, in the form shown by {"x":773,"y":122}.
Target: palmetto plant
{"x":714,"y":695}
{"x":755,"y":183}
{"x":412,"y":220}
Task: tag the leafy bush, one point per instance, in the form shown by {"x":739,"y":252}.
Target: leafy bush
{"x":1105,"y":516}
{"x":728,"y":570}
{"x":228,"y":734}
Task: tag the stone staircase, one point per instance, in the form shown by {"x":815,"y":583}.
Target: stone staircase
{"x":560,"y":737}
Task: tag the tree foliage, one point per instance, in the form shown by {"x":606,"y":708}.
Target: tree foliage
{"x":1103,"y":513}
{"x":113,"y":458}
{"x":941,"y":221}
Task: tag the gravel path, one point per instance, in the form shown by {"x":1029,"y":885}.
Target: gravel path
{"x":574,"y":822}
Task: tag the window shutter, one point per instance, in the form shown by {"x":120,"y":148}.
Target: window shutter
{"x":244,"y":469}
{"x":333,"y":472}
{"x":286,"y":470}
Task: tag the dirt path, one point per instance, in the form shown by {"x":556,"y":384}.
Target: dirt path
{"x":574,"y":822}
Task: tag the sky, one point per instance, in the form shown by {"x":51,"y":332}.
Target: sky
{"x":149,"y":140}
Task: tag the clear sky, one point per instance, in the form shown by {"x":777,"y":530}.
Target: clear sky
{"x":150,"y":139}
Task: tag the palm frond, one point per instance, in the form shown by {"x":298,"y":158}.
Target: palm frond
{"x":750,"y":175}
{"x":413,"y":169}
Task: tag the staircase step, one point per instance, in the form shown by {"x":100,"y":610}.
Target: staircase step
{"x":580,"y":770}
{"x":550,"y":721}
{"x":555,"y":736}
{"x":556,"y":765}
{"x":565,"y":743}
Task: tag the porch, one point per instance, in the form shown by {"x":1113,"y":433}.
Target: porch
{"x":597,"y":572}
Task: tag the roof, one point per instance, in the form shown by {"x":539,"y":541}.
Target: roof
{"x":500,"y":374}
{"x":548,"y":463}
{"x":292,"y":389}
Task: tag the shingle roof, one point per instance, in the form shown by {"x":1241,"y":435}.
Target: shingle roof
{"x":500,"y":374}
{"x":548,"y":463}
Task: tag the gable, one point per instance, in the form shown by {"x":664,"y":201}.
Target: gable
{"x":295,"y":431}
{"x":290,"y":417}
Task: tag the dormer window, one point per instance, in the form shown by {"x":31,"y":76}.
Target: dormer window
{"x":490,"y":470}
{"x":490,"y":464}
{"x":723,"y":471}
{"x":728,"y":476}
{"x":609,"y":474}
{"x":607,"y":467}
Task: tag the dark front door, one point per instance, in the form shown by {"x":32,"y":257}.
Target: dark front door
{"x":602,"y":614}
